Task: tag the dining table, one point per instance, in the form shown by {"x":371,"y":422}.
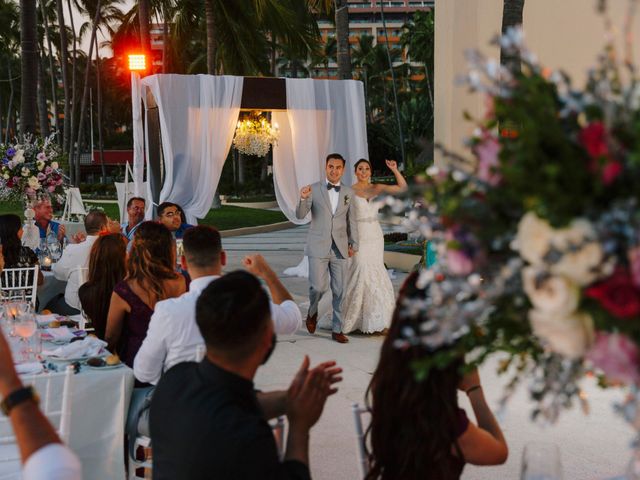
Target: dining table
{"x":99,"y":405}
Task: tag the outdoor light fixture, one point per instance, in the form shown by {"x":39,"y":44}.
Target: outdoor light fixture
{"x":137,"y":62}
{"x":255,"y":135}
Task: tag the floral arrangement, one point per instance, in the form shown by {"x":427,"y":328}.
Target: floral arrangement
{"x":538,"y":233}
{"x":255,"y":135}
{"x":31,"y":168}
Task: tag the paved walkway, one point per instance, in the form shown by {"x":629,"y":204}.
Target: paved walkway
{"x":593,"y":446}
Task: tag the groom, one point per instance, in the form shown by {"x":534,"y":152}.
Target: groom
{"x":333,"y":237}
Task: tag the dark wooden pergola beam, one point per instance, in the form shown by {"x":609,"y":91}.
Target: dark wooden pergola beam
{"x":258,"y":93}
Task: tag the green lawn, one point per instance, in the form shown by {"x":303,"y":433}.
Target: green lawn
{"x":225,"y":218}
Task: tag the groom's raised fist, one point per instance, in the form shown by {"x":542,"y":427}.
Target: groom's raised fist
{"x":305,"y":192}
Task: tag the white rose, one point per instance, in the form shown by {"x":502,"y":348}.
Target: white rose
{"x":578,"y":232}
{"x":34,"y":183}
{"x":40,"y":165}
{"x":582,"y":265}
{"x":6,"y":176}
{"x":533,"y":238}
{"x":54,"y":165}
{"x":25,"y":172}
{"x":19,"y":156}
{"x":551,"y":295}
{"x":570,"y":336}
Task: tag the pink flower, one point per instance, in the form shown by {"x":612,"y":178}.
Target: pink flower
{"x":41,"y":156}
{"x":487,"y":152}
{"x":29,"y":191}
{"x":634,"y":265}
{"x":41,"y":176}
{"x":617,"y":356}
{"x":48,"y":170}
{"x":458,"y":263}
{"x":52,"y":188}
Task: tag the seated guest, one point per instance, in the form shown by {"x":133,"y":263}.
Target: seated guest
{"x":135,"y":212}
{"x":173,"y":335}
{"x":43,"y":217}
{"x":150,"y":278}
{"x":169,"y":215}
{"x":106,"y":269}
{"x":428,"y":436}
{"x":43,"y":455}
{"x":207,"y":420}
{"x":74,"y":258}
{"x":16,"y":255}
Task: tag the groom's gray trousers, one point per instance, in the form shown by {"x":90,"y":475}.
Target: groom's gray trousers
{"x":324,"y":272}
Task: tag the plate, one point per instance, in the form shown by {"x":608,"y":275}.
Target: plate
{"x":54,"y":358}
{"x":105,"y":367}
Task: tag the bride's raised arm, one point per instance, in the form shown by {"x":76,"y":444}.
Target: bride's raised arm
{"x":401,"y":182}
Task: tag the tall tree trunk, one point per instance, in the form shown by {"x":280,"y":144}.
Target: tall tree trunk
{"x":43,"y":114}
{"x":85,"y":96}
{"x":52,"y":72}
{"x":64,"y":60}
{"x":144,"y":10}
{"x":165,"y":38}
{"x":74,"y":100}
{"x":511,"y":17}
{"x":212,"y":45}
{"x":11,"y":94}
{"x":274,"y":60}
{"x":103,"y":169}
{"x":29,"y":70}
{"x":342,"y":39}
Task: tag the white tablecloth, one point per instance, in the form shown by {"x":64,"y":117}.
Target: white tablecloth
{"x":49,"y":288}
{"x":99,"y":405}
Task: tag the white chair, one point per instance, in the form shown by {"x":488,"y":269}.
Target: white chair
{"x":277,"y":427}
{"x":56,"y":407}
{"x":82,"y":273}
{"x":358,"y":412}
{"x":17,"y":282}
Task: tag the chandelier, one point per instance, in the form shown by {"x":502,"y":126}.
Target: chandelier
{"x":255,"y":135}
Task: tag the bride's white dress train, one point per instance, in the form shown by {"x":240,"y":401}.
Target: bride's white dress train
{"x":369,"y":299}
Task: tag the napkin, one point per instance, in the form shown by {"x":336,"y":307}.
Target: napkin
{"x":29,"y":368}
{"x":46,"y":319}
{"x":88,"y":347}
{"x":61,"y":334}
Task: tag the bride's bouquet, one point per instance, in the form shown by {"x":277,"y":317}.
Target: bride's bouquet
{"x":31,"y":168}
{"x":538,"y":232}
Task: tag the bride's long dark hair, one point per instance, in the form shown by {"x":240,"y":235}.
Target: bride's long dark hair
{"x":413,"y":423}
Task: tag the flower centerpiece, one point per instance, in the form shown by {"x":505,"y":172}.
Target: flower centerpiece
{"x":255,"y":135}
{"x":537,"y":231}
{"x":31,"y":168}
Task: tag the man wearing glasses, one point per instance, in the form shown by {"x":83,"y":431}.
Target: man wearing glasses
{"x":135,"y":211}
{"x":172,"y":217}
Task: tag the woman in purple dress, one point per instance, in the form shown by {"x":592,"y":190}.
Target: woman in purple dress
{"x":151,"y":277}
{"x":417,"y":430}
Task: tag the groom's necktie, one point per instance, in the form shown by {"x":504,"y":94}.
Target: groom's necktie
{"x":335,"y":187}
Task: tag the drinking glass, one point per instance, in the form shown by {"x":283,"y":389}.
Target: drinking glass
{"x":25,"y":327}
{"x":541,"y":461}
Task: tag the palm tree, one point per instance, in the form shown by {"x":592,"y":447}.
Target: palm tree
{"x":64,"y":61}
{"x":340,"y":9}
{"x":511,"y":17}
{"x":9,"y":45}
{"x":29,"y":67}
{"x":47,"y":13}
{"x":418,"y":38}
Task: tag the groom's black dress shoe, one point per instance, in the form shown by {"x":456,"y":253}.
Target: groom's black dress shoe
{"x":312,"y":321}
{"x":340,"y":337}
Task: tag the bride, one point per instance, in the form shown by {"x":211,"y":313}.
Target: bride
{"x":369,"y":299}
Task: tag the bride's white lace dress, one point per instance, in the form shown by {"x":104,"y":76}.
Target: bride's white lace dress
{"x":369,"y":299}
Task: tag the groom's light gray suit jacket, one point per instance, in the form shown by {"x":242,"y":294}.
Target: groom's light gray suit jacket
{"x":327,"y":227}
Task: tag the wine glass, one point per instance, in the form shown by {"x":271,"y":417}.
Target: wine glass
{"x":24,"y":327}
{"x":541,"y":461}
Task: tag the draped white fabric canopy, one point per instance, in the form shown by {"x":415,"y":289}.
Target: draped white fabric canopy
{"x":198,"y":115}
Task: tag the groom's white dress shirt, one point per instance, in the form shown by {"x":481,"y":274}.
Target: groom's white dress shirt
{"x":333,"y":196}
{"x":173,"y":335}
